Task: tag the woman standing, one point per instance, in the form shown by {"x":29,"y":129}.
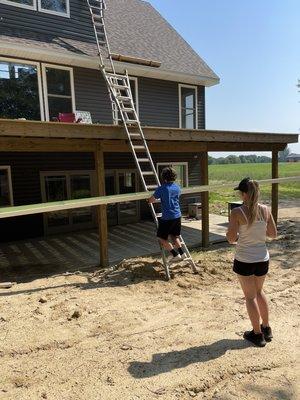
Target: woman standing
{"x":249,"y":226}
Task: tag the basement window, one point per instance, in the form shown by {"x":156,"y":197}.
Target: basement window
{"x":6,"y":196}
{"x":188,"y":107}
{"x":56,"y":7}
{"x":59,"y":91}
{"x":181,"y":169}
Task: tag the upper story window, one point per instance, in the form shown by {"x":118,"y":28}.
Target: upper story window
{"x":30,"y":4}
{"x":59,"y":90}
{"x":188,"y":107}
{"x":135,"y":96}
{"x":20,"y":90}
{"x":56,"y":7}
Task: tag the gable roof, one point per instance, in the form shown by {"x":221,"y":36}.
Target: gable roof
{"x":134,"y":29}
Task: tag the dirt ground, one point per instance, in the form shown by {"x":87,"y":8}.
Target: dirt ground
{"x":126,"y":333}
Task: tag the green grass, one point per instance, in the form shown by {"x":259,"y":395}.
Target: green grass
{"x":235,"y":172}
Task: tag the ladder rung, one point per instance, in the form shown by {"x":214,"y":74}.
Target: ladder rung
{"x":151,"y":186}
{"x":139,"y":147}
{"x":121,"y":87}
{"x":142,"y":160}
{"x":132,"y":121}
{"x":135,"y":135}
{"x":127,"y":110}
{"x":159,"y":215}
{"x":116,"y":76}
{"x":124,"y":98}
{"x":148,"y":173}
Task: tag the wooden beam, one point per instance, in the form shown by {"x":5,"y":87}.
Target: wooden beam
{"x":102,"y":209}
{"x":275,"y":185}
{"x":115,"y":132}
{"x":204,"y":199}
{"x":122,"y":146}
{"x":46,"y":145}
{"x":222,"y":146}
{"x":30,"y":209}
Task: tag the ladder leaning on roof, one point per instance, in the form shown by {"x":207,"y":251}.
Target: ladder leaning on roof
{"x":123,"y":108}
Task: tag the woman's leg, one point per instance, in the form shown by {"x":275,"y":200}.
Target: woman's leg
{"x":249,"y":288}
{"x":262,"y":300}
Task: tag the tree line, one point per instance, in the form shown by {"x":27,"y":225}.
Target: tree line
{"x":247,"y":159}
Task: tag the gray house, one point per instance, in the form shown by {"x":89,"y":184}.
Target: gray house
{"x":49,"y":65}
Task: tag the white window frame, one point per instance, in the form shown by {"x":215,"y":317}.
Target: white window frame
{"x":117,"y":120}
{"x":185,"y":163}
{"x":45,"y":87}
{"x":37,"y":64}
{"x":135,"y":79}
{"x":12,"y":3}
{"x":60,"y":14}
{"x":10,"y":188}
{"x":180,"y":86}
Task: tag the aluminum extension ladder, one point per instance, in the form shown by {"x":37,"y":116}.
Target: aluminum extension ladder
{"x":123,"y":109}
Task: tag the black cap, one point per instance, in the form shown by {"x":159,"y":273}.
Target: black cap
{"x":243,"y":185}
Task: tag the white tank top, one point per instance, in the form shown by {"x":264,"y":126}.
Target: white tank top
{"x":251,"y":246}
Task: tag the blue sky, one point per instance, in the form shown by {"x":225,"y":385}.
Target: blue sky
{"x":254,"y":48}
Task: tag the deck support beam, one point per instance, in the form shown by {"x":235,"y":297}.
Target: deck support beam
{"x":275,"y":185}
{"x":102,"y":209}
{"x":204,"y":199}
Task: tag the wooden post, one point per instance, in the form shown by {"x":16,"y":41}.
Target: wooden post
{"x":205,"y":200}
{"x":101,"y":210}
{"x":275,"y":185}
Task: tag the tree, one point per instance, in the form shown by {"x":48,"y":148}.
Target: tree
{"x":283,"y":154}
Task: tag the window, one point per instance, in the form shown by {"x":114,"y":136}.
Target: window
{"x":57,"y":7}
{"x":59,"y":91}
{"x":180,"y":168}
{"x":30,"y":4}
{"x":134,"y":90}
{"x":188,"y":107}
{"x":6,"y":196}
{"x":20,"y":90}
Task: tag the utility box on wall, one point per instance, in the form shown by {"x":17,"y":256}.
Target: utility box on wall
{"x":195,"y":210}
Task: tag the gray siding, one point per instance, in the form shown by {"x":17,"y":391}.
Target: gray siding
{"x":158,"y":99}
{"x":77,"y":27}
{"x":158,"y":102}
{"x":91,"y":95}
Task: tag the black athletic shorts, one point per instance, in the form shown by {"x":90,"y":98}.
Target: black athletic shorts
{"x":168,"y":227}
{"x":247,"y":269}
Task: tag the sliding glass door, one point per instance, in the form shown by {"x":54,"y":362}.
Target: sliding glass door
{"x":59,"y":186}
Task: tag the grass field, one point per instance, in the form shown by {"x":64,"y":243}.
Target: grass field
{"x":235,"y":172}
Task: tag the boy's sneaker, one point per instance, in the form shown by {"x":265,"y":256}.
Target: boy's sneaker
{"x":255,"y":338}
{"x":176,"y":259}
{"x":267,"y":332}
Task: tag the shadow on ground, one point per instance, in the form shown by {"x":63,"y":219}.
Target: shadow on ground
{"x":166,"y":362}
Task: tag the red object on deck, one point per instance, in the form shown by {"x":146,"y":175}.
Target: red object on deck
{"x":68,"y":117}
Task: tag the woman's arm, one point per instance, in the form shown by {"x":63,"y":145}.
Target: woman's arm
{"x":271,"y":226}
{"x":233,"y":227}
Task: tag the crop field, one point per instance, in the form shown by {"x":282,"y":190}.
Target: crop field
{"x":235,"y":172}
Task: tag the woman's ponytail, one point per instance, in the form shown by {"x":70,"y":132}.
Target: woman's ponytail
{"x":253,"y":196}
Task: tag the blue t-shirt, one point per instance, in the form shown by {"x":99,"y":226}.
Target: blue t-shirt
{"x":169,"y":194}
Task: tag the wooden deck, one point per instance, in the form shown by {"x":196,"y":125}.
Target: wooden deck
{"x":80,"y":250}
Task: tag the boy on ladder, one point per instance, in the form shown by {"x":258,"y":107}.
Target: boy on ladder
{"x":170,"y":222}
